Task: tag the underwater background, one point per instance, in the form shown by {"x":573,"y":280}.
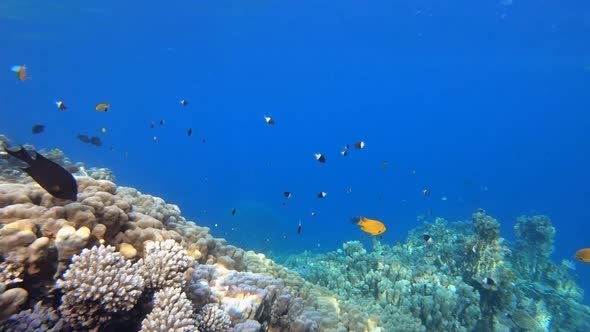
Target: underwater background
{"x":486,"y":104}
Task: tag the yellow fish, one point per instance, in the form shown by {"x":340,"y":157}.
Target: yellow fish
{"x":371,"y":226}
{"x":583,"y":255}
{"x":102,"y":107}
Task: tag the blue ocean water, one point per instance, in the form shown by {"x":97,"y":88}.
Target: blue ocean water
{"x":484,"y":103}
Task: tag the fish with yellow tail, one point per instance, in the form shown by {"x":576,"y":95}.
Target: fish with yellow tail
{"x":371,"y":226}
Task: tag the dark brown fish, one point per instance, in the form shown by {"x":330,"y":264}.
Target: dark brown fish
{"x":50,"y":176}
{"x":95,"y":141}
{"x":37,"y":129}
{"x":84,"y":138}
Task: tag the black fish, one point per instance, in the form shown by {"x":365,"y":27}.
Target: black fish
{"x":161,"y":122}
{"x":152,"y":125}
{"x":233,"y":212}
{"x":299,"y":229}
{"x":189,"y":131}
{"x":287,"y":194}
{"x":52,"y":177}
{"x":84,"y":138}
{"x":95,"y":141}
{"x":37,"y":129}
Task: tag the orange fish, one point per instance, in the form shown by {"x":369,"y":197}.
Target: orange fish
{"x":371,"y":226}
{"x":583,"y":255}
{"x":21,"y":72}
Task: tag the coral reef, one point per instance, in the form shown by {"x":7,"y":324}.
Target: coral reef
{"x":438,"y":282}
{"x":117,"y":259}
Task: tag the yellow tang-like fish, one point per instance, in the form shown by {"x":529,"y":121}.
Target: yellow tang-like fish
{"x":102,"y":107}
{"x":371,"y":226}
{"x":583,"y":255}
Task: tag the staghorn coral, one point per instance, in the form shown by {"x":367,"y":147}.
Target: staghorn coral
{"x":42,"y":318}
{"x":172,"y":312}
{"x":164,"y":264}
{"x":212,"y":319}
{"x":98,"y":283}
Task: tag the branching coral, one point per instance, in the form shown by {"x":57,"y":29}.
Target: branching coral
{"x":98,"y":283}
{"x":212,"y":319}
{"x":172,"y":312}
{"x":164,"y":264}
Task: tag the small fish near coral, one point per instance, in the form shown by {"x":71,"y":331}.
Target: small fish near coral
{"x":37,"y":129}
{"x":50,"y":176}
{"x":371,"y":226}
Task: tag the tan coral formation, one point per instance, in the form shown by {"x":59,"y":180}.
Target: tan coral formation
{"x":41,"y":233}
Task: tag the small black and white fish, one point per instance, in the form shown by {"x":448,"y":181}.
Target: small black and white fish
{"x":269,"y":120}
{"x":344,"y":153}
{"x":287,"y":194}
{"x":189,"y":132}
{"x":233,"y":212}
{"x":359,"y":145}
{"x":60,"y":105}
{"x":427,"y":238}
{"x":488,"y":283}
{"x":426,"y":192}
{"x":50,"y":176}
{"x":183,"y":102}
{"x":161,"y":122}
{"x":322,"y":194}
{"x":152,"y":125}
{"x":37,"y":129}
{"x":320,"y":157}
{"x":313,"y":214}
{"x":299,"y":228}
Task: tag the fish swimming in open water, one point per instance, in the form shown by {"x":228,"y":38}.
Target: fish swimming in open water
{"x":371,"y":226}
{"x":50,"y":176}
